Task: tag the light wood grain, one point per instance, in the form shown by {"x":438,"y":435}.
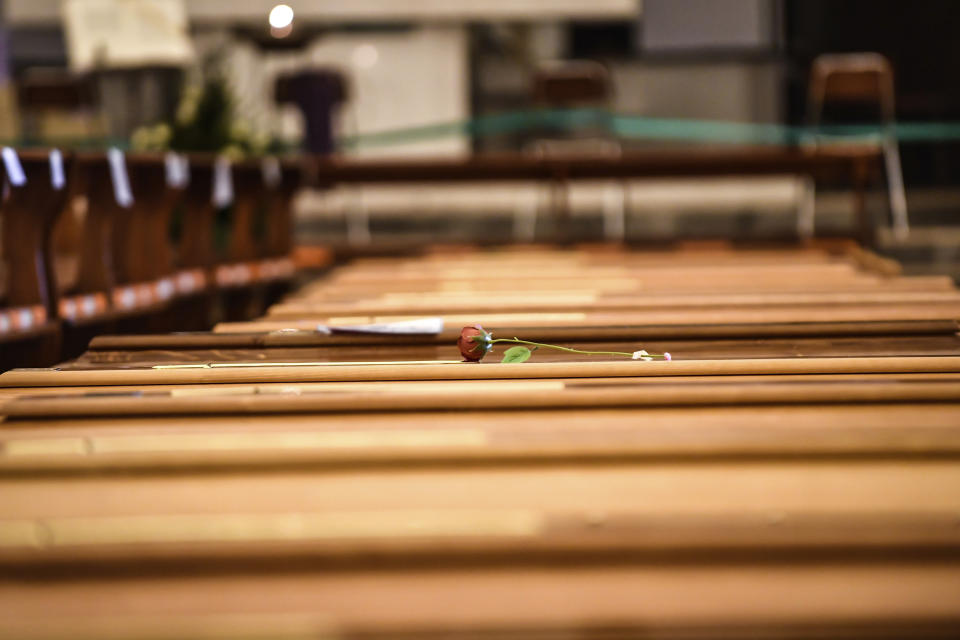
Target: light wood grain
{"x":319,"y":372}
{"x":839,"y":599}
{"x":490,"y":437}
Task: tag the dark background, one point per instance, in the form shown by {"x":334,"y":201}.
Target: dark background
{"x":922,"y":41}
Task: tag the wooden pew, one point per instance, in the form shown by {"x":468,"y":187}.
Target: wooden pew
{"x":118,"y":285}
{"x":257,"y":267}
{"x":144,"y":248}
{"x":36,"y":187}
{"x":129,"y":275}
{"x":277,"y":268}
{"x":216,"y":256}
{"x":856,"y":165}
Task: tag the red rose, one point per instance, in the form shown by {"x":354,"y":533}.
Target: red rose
{"x":473,"y":343}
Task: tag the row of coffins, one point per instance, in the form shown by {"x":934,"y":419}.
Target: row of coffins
{"x":757,"y":443}
{"x":169,"y":241}
{"x":148,"y":241}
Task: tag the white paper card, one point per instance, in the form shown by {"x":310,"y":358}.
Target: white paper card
{"x":14,"y":170}
{"x":57,"y":179}
{"x":418,"y":327}
{"x":118,"y":175}
{"x":222,"y":183}
{"x":178,"y":170}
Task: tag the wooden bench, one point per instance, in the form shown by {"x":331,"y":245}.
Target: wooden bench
{"x":35,"y":193}
{"x":121,"y":269}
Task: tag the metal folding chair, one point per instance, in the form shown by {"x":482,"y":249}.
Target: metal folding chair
{"x":584,"y":84}
{"x":863,"y":78}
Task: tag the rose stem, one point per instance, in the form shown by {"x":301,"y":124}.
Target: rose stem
{"x":553,"y":346}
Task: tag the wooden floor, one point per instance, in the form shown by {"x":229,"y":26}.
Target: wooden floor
{"x":792,"y":471}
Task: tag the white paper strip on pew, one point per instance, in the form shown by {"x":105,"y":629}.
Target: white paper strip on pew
{"x":222,"y":183}
{"x":57,"y":178}
{"x":420,"y":327}
{"x":177,"y":170}
{"x":14,"y":170}
{"x":118,"y":175}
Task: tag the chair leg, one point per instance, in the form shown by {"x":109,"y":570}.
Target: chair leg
{"x":895,"y":189}
{"x":614,"y":212}
{"x":806,"y":207}
{"x":525,"y":218}
{"x":358,"y":222}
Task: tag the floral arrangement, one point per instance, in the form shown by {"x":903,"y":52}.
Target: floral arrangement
{"x":204,"y":122}
{"x":475,"y":342}
{"x":206,"y":119}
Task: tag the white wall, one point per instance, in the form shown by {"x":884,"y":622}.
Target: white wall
{"x":698,"y":25}
{"x":395,"y":80}
{"x":735,"y":90}
{"x":399,"y":80}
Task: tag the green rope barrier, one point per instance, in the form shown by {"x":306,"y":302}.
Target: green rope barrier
{"x":656,"y":129}
{"x":484,"y":126}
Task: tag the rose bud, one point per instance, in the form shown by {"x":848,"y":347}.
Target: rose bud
{"x":473,"y":343}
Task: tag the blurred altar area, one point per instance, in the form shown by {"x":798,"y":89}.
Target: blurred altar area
{"x":446,"y":78}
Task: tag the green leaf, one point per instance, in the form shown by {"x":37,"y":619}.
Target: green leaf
{"x":516,"y":354}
